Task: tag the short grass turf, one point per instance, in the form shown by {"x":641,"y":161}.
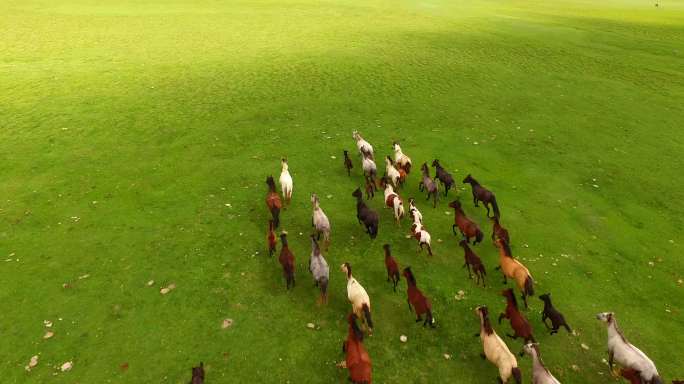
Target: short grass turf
{"x":126,"y":127}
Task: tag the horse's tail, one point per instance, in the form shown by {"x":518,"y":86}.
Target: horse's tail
{"x":407,"y":168}
{"x":323,"y":283}
{"x":367,"y":315}
{"x":495,"y":206}
{"x":655,"y":379}
{"x":517,"y":375}
{"x":529,"y":286}
{"x":275,"y":212}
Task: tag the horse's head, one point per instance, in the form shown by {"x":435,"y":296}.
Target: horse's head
{"x":531,"y":349}
{"x":396,"y":147}
{"x":424,"y":167}
{"x":510,"y":296}
{"x":386,"y":247}
{"x":198,"y":374}
{"x":314,"y":199}
{"x":463,"y":243}
{"x":346,"y":268}
{"x":408,"y":275}
{"x":356,"y":135}
{"x":357,"y":193}
{"x":606,"y":317}
{"x":283,"y":163}
{"x":346,"y":154}
{"x":545,"y":297}
{"x":283,"y":237}
{"x":467,"y":179}
{"x":455,"y":204}
{"x":482,"y":311}
{"x":435,"y":163}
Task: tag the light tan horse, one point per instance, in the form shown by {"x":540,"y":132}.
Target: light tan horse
{"x":358,"y":297}
{"x":515,"y":270}
{"x":496,"y":351}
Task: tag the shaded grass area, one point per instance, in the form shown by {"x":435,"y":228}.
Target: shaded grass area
{"x":126,"y":128}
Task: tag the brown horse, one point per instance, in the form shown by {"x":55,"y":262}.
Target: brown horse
{"x":271,"y":238}
{"x":428,"y":184}
{"x":482,"y":194}
{"x":357,"y":360}
{"x":474,"y":261}
{"x":514,"y":269}
{"x":273,"y":201}
{"x":392,"y":267}
{"x":286,"y":259}
{"x":498,"y":231}
{"x":348,"y":163}
{"x":198,"y":374}
{"x":443,"y":176}
{"x":421,"y":304}
{"x":521,"y":327}
{"x":467,"y":227}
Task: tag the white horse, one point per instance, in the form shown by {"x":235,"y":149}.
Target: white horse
{"x":320,"y":221}
{"x":414,"y":212}
{"x":401,"y":159}
{"x":540,"y":375}
{"x":369,"y":167}
{"x":392,"y":200}
{"x":496,"y":351}
{"x":319,"y":269}
{"x":365,"y":149}
{"x":286,"y":181}
{"x":392,"y":172}
{"x":421,"y":234}
{"x":625,"y":354}
{"x":358,"y":297}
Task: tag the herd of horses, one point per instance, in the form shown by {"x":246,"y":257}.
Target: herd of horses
{"x":634,"y":365}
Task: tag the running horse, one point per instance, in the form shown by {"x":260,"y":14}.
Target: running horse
{"x":482,"y":194}
{"x":467,"y":227}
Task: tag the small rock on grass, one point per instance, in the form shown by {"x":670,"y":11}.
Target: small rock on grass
{"x":403,"y":338}
{"x":48,"y":334}
{"x":32,"y":363}
{"x":227,"y":323}
{"x":447,"y":356}
{"x":584,"y":346}
{"x":311,"y":325}
{"x":47,"y":323}
{"x":168,"y":289}
{"x":66,"y":366}
{"x":150,"y":283}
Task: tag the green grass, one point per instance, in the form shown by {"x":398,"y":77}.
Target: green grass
{"x":143,"y":120}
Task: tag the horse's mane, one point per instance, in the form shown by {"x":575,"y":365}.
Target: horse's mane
{"x":409,"y":276}
{"x":358,"y":334}
{"x":349,"y":270}
{"x":283,"y":239}
{"x":270,"y":183}
{"x":507,"y":249}
{"x":471,"y":180}
{"x":486,"y":324}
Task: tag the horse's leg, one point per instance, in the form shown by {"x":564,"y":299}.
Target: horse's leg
{"x":474,"y":198}
{"x":408,"y":301}
{"x":453,"y":228}
{"x":419,"y":318}
{"x":524,"y":297}
{"x":486,"y":206}
{"x":610,"y":360}
{"x":501,"y":316}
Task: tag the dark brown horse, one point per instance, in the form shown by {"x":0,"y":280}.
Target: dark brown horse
{"x":286,"y":259}
{"x":482,"y":194}
{"x":467,"y":227}
{"x":348,"y":163}
{"x":366,"y":216}
{"x":271,"y":238}
{"x":550,"y":312}
{"x":521,"y":327}
{"x":273,"y":201}
{"x":198,"y":374}
{"x":428,"y":184}
{"x":474,"y":261}
{"x":443,"y":176}
{"x":498,"y":231}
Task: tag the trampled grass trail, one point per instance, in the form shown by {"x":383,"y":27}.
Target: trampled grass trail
{"x":135,"y":139}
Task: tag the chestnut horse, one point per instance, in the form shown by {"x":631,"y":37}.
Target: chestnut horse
{"x":366,"y":216}
{"x":467,"y":227}
{"x":521,"y":327}
{"x":474,"y":261}
{"x":482,"y":194}
{"x":498,"y":231}
{"x":392,"y":267}
{"x":514,"y":269}
{"x":271,"y":238}
{"x":286,"y":259}
{"x":421,"y":304}
{"x":357,"y":360}
{"x":273,"y":201}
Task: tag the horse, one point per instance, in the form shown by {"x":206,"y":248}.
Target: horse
{"x":348,"y":163}
{"x":366,"y":216}
{"x":540,"y":375}
{"x":627,"y":355}
{"x":198,"y":374}
{"x":631,"y":375}
{"x":365,"y":149}
{"x":320,"y":221}
{"x":474,"y":261}
{"x":443,"y":176}
{"x":392,"y":267}
{"x":392,"y":172}
{"x":403,"y":161}
{"x":496,"y":351}
{"x":550,"y":312}
{"x":498,"y":231}
{"x":358,"y":297}
{"x":319,"y":269}
{"x":521,"y":327}
{"x":273,"y":201}
{"x":356,"y":360}
{"x":421,"y":305}
{"x":286,"y":259}
{"x":482,"y":194}
{"x":428,"y":184}
{"x":422,"y":235}
{"x":370,"y":169}
{"x":286,"y":181}
{"x":370,"y":188}
{"x":414,"y":212}
{"x":515,"y":270}
{"x":271,"y":238}
{"x":393,"y":201}
{"x":467,"y":227}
